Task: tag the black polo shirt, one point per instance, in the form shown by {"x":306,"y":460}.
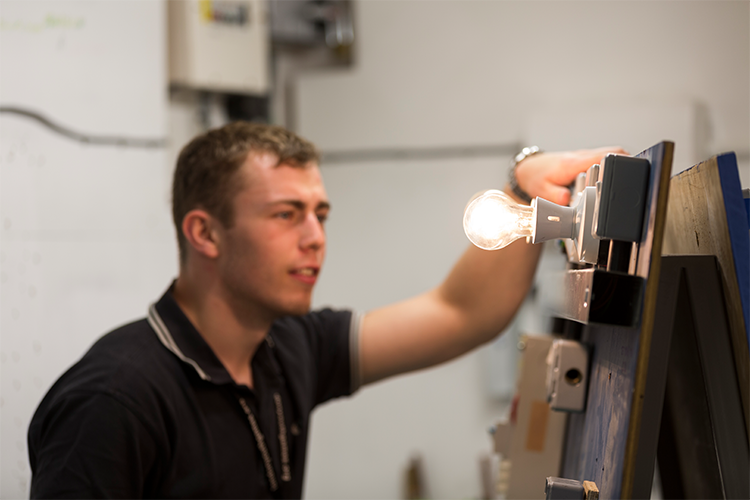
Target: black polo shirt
{"x":150,"y":411}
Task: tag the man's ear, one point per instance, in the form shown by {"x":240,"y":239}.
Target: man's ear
{"x":199,"y":229}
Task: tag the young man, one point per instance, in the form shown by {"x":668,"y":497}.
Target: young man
{"x":210,"y":395}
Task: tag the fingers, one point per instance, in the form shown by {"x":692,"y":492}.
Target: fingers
{"x":575,"y":162}
{"x":548,"y":175}
{"x":614,"y":149}
{"x":556,"y":194}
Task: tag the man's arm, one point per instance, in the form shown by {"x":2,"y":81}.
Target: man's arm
{"x":481,"y":294}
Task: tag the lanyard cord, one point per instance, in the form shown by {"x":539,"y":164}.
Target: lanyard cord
{"x":261,"y":442}
{"x":286,"y":474}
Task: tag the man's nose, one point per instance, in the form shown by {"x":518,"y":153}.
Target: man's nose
{"x":313,"y":234}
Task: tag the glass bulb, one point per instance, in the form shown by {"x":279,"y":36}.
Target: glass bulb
{"x":493,"y":220}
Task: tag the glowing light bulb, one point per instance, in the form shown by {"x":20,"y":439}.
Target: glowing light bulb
{"x":493,"y":220}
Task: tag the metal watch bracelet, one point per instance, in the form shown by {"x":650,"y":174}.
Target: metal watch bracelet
{"x":525,"y":153}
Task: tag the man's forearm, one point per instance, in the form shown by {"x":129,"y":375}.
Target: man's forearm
{"x":488,"y":287}
{"x":476,"y":301}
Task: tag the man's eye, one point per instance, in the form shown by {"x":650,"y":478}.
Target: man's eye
{"x":285,"y":215}
{"x":322,"y":218}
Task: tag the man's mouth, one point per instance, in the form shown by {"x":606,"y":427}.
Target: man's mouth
{"x":307,"y":271}
{"x":306,"y":274}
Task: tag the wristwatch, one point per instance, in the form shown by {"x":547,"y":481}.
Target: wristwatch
{"x":525,"y":153}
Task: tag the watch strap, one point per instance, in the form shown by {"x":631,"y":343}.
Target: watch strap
{"x":525,"y":153}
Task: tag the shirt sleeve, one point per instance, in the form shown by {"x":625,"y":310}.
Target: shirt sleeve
{"x":90,"y":446}
{"x":323,"y":348}
{"x":334,"y":337}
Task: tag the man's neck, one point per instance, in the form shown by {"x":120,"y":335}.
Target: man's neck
{"x":233,"y":336}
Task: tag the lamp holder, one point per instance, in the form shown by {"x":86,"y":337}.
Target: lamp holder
{"x":552,"y":221}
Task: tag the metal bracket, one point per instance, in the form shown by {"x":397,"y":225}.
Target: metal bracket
{"x":601,"y":297}
{"x":560,"y":488}
{"x":567,"y":376}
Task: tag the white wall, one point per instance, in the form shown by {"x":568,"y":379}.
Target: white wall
{"x":467,"y":72}
{"x":461,"y":73}
{"x":86,"y":239}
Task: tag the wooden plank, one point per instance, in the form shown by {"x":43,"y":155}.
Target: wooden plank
{"x":601,"y":444}
{"x":706,"y":216}
{"x":599,"y":434}
{"x":713,"y":342}
{"x":703,"y":452}
{"x":667,"y":308}
{"x":648,"y":266}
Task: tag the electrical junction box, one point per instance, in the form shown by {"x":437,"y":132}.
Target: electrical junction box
{"x":567,"y":375}
{"x":621,"y":196}
{"x":219,"y":45}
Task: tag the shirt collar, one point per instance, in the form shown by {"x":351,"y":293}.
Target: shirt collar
{"x":177,"y":333}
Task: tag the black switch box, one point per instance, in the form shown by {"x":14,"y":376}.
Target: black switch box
{"x":621,"y":198}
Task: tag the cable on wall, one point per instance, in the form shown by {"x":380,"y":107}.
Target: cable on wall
{"x":131,"y":142}
{"x":426,"y":153}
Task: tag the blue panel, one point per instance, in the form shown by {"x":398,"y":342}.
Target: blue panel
{"x":737,"y":222}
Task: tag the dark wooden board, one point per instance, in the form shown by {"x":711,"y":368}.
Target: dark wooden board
{"x":600,"y":444}
{"x":702,"y":442}
{"x":601,"y":431}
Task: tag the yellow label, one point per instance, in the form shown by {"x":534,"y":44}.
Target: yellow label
{"x":206,"y":10}
{"x":537,"y":426}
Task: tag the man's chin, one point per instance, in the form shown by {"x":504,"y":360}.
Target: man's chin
{"x":298,"y":309}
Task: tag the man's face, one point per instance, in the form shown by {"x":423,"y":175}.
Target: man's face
{"x":270,"y":259}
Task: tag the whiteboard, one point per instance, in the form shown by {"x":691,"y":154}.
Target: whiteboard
{"x":85,"y":235}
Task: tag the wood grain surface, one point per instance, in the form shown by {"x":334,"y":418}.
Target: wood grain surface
{"x":706,"y":216}
{"x":601,"y":442}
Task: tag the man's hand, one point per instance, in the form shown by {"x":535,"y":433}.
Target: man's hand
{"x":548,"y":175}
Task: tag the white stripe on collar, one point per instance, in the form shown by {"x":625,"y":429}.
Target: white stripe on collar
{"x":166,"y":338}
